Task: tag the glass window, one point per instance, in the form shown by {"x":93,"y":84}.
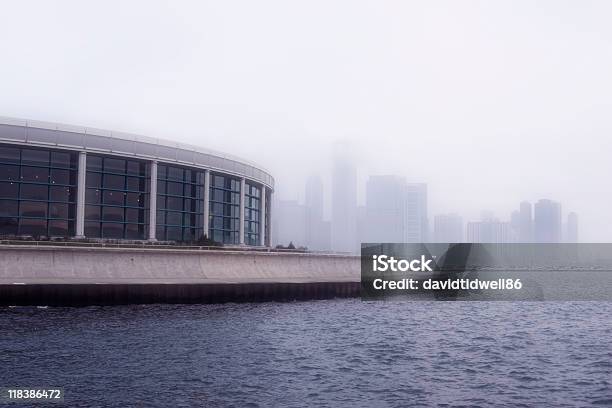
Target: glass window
{"x":174,"y":233}
{"x":134,"y":231}
{"x":34,"y":192}
{"x":94,"y":163}
{"x":63,"y":159}
{"x":35,"y":174}
{"x":9,"y":208}
{"x":93,"y":196}
{"x":9,"y":190}
{"x":123,"y":195}
{"x":161,"y":187}
{"x":8,"y":172}
{"x":92,"y":212}
{"x":59,"y":228}
{"x":57,"y":210}
{"x":175,"y":188}
{"x":92,"y":229}
{"x":134,"y":215}
{"x":134,"y":199}
{"x":33,"y":180}
{"x":34,"y":227}
{"x":111,"y":230}
{"x":93,"y":179}
{"x":136,"y":168}
{"x":174,"y":203}
{"x":39,"y":157}
{"x":57,"y":193}
{"x":33,"y":209}
{"x":173,"y":218}
{"x":112,"y":214}
{"x":113,"y":181}
{"x":8,"y":226}
{"x":175,"y":173}
{"x":9,"y":154}
{"x":61,"y":177}
{"x":112,"y":197}
{"x":135,"y":183}
{"x":114,"y":165}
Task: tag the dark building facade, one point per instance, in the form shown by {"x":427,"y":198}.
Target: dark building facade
{"x":62,"y":181}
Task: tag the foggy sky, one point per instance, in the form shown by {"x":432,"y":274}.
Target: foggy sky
{"x":490,"y":103}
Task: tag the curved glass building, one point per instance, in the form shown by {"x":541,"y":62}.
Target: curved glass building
{"x":66,"y":181}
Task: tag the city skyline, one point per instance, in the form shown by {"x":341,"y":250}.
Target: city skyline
{"x":398,"y":211}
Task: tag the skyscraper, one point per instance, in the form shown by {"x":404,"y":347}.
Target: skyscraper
{"x":488,"y":231}
{"x":448,"y":228}
{"x":344,"y":200}
{"x":386,"y":209}
{"x":289,"y":223}
{"x":547,"y":221}
{"x":572,"y":227}
{"x":318,"y":231}
{"x":525,"y":223}
{"x":416,"y":213}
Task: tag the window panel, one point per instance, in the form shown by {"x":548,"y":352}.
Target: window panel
{"x":110,"y":230}
{"x":9,"y":208}
{"x":35,"y":174}
{"x":113,"y":197}
{"x":33,"y":209}
{"x":94,"y":163}
{"x":93,"y":179}
{"x":114,"y":165}
{"x":93,"y":196}
{"x":174,"y":233}
{"x":9,"y":190}
{"x":113,"y":181}
{"x":136,"y":184}
{"x":9,"y":173}
{"x":61,"y":177}
{"x":57,"y":193}
{"x":38,"y":157}
{"x":63,"y":159}
{"x":58,"y":228}
{"x":8,"y":225}
{"x":133,"y":215}
{"x":34,"y":192}
{"x":92,"y":229}
{"x":112,"y":214}
{"x":34,"y":227}
{"x":92,"y":212}
{"x":9,"y":154}
{"x":175,"y":188}
{"x":135,"y":200}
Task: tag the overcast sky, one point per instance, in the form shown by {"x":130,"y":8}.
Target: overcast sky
{"x":490,"y":103}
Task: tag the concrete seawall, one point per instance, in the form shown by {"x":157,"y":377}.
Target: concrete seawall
{"x":49,"y":275}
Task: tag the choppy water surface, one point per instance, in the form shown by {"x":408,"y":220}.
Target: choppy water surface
{"x":320,"y":353}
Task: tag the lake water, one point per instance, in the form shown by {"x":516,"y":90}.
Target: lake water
{"x":320,"y":353}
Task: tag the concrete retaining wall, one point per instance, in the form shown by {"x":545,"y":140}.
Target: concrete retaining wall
{"x":71,"y":275}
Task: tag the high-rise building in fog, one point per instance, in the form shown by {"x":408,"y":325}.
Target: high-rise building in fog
{"x":318,"y":231}
{"x":385,"y":210}
{"x":572,"y":227}
{"x":515,"y":226}
{"x":525,"y":223}
{"x":489,"y":230}
{"x":448,"y":228}
{"x":289,"y":223}
{"x":344,"y":200}
{"x":547,"y":221}
{"x":416,"y":215}
{"x":395,"y":211}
